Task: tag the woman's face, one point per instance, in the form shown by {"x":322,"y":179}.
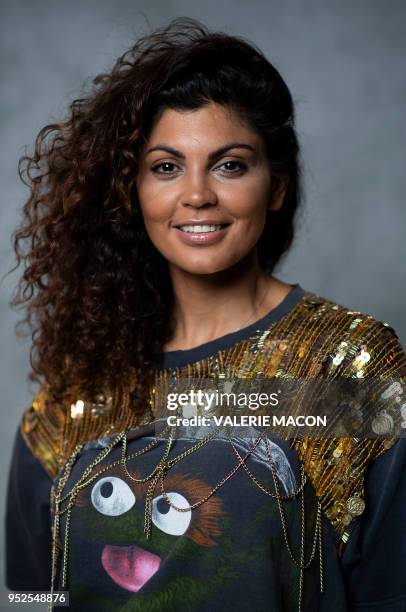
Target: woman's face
{"x":204,"y":186}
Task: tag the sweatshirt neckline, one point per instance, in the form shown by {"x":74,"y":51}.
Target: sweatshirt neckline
{"x":179,"y":358}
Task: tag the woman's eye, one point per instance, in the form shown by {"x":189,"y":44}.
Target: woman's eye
{"x":168,"y":519}
{"x":239,"y":170}
{"x":112,"y":496}
{"x":163,"y":165}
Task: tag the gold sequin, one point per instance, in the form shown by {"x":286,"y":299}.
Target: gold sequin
{"x":355,"y":505}
{"x":341,"y":352}
{"x":77,"y":409}
{"x":361,"y":359}
{"x":383,"y":423}
{"x":393,"y":389}
{"x":354,"y":323}
{"x":346,"y":519}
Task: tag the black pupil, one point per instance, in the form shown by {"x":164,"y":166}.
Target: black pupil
{"x":106,"y":489}
{"x":162,"y":506}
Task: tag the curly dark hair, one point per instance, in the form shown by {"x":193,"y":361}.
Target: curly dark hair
{"x":97,"y":293}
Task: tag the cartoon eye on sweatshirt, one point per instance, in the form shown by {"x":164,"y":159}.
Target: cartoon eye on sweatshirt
{"x":112,"y":496}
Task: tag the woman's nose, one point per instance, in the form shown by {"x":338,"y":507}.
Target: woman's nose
{"x":198,"y":192}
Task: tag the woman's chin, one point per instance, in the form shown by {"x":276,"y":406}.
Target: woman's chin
{"x":204,"y":268}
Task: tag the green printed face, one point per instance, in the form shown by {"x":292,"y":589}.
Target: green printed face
{"x":193,"y":556}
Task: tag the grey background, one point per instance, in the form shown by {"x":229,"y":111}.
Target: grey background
{"x":344,"y":63}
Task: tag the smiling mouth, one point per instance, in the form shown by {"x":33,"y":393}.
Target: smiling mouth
{"x":200,"y":229}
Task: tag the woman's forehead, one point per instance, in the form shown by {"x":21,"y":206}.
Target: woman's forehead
{"x":211,"y":125}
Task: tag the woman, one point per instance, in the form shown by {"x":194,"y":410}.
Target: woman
{"x":158,"y":212}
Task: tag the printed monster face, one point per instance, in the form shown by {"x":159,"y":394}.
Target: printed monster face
{"x":132,"y":566}
{"x":116,"y":503}
{"x":197,"y":552}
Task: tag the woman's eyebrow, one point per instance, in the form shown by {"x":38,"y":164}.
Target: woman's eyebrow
{"x":213,"y":155}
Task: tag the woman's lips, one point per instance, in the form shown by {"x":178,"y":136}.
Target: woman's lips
{"x":202,"y":238}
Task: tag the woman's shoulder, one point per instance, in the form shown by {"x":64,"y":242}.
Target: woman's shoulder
{"x":330,"y":340}
{"x":344,"y":339}
{"x":332,"y":314}
{"x":53,"y":426}
{"x":41,"y":427}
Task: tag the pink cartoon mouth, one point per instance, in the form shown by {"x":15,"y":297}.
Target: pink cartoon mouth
{"x":129,"y":566}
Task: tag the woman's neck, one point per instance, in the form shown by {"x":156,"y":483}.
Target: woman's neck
{"x":210,"y":306}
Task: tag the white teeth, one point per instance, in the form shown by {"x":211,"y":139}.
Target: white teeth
{"x":199,"y":228}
